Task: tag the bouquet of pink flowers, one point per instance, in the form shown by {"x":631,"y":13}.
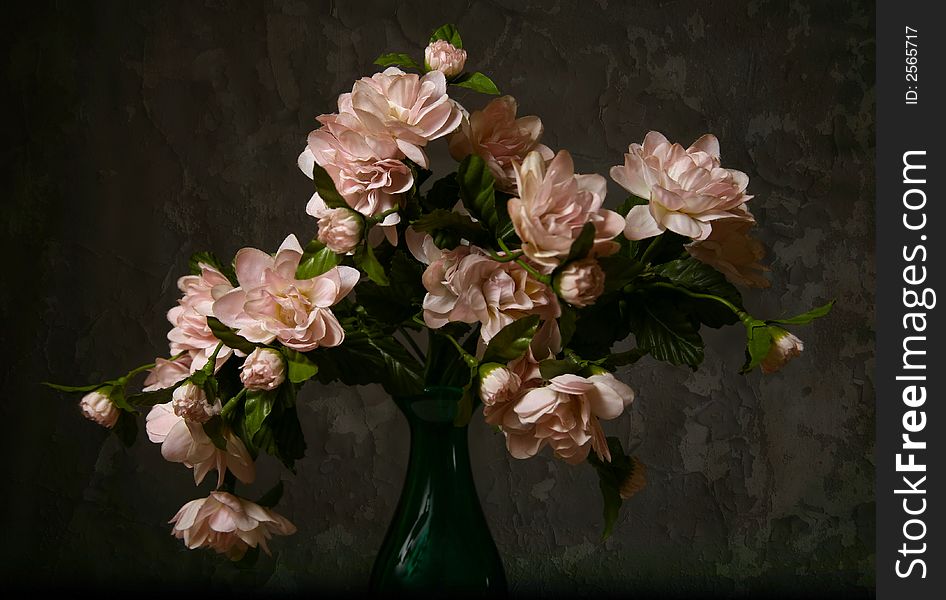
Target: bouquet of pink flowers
{"x":521,"y":279}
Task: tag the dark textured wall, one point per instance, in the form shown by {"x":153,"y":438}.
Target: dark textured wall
{"x":144,"y":132}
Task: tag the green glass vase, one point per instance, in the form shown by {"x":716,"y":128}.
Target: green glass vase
{"x":438,"y":540}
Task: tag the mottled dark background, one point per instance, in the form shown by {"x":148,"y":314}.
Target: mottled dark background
{"x":141,"y":132}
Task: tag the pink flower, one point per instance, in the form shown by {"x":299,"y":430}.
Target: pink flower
{"x":564,"y":415}
{"x":365,"y":168}
{"x":166,"y":373}
{"x":467,"y":286}
{"x":444,"y":57}
{"x":185,"y":441}
{"x":553,"y":206}
{"x":410,"y":108}
{"x":191,"y":333}
{"x":272,"y":304}
{"x":190,"y":402}
{"x":422,"y":246}
{"x":686,"y":189}
{"x":497,"y":384}
{"x":340,"y":230}
{"x":96,"y":406}
{"x":733,"y":252}
{"x":263,"y":369}
{"x":500,"y":139}
{"x":228,"y":524}
{"x":580,"y":282}
{"x":785,"y":346}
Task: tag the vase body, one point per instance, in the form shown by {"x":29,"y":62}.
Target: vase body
{"x":438,"y":540}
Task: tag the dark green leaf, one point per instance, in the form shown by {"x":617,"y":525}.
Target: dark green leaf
{"x":272,"y":497}
{"x":316,"y":259}
{"x":512,"y":341}
{"x":229,"y":337}
{"x":300,"y":367}
{"x":477,"y":82}
{"x":610,"y":477}
{"x":143,"y":399}
{"x":126,"y":428}
{"x":566,"y":323}
{"x":394,"y":304}
{"x":551,"y":368}
{"x":117,"y":397}
{"x":214,"y":429}
{"x":478,"y":193}
{"x":281,"y":436}
{"x":618,"y":271}
{"x":630,"y":203}
{"x":397,"y":59}
{"x":625,"y":358}
{"x":258,"y":406}
{"x":326,"y":188}
{"x":805,"y":317}
{"x":379,"y":359}
{"x":367,"y":262}
{"x":758,"y":343}
{"x":666,"y":331}
{"x":449,"y":33}
{"x":691,"y":274}
{"x":599,"y":326}
{"x":445,"y":193}
{"x":443,"y":219}
{"x":582,"y":244}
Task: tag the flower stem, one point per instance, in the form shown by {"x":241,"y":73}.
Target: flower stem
{"x":743,"y":315}
{"x":532,"y":271}
{"x":232,"y":403}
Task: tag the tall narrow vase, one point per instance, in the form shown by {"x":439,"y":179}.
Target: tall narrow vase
{"x":438,"y":539}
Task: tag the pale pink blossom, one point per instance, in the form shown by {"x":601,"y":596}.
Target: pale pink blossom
{"x":580,"y":282}
{"x":185,"y":441}
{"x":166,"y":373}
{"x":733,"y":252}
{"x":191,"y":333}
{"x":497,"y":384}
{"x":96,"y":406}
{"x":785,"y":346}
{"x":263,"y":369}
{"x":565,"y":416}
{"x":553,"y":206}
{"x":410,"y":108}
{"x":443,"y":56}
{"x":422,"y":246}
{"x":467,"y":286}
{"x":687,"y":189}
{"x":271,"y":303}
{"x":228,"y":524}
{"x":500,"y":139}
{"x":340,"y":230}
{"x":190,"y":402}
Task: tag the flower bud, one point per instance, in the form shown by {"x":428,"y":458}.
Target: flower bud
{"x":96,"y":406}
{"x":785,"y":347}
{"x":443,"y":56}
{"x":580,"y":282}
{"x":497,"y":383}
{"x":190,"y":402}
{"x":263,"y":369}
{"x":340,"y":229}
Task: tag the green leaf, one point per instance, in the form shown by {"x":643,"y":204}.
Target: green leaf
{"x":126,"y":428}
{"x":758,"y":343}
{"x":214,"y":429}
{"x":151,"y":398}
{"x":805,"y":317}
{"x":600,"y":325}
{"x":691,"y":274}
{"x":367,"y":262}
{"x":444,"y":193}
{"x":326,"y":188}
{"x":582,"y":244}
{"x":666,"y":331}
{"x":449,"y":33}
{"x":477,"y":191}
{"x":117,"y":397}
{"x":512,"y":341}
{"x":627,"y":357}
{"x":229,"y":337}
{"x":281,"y":436}
{"x":397,"y":303}
{"x":630,"y":203}
{"x":300,"y":367}
{"x":272,"y":497}
{"x":618,"y":271}
{"x":258,"y":406}
{"x":566,"y":323}
{"x":610,"y":477}
{"x":442,"y":219}
{"x":397,"y":59}
{"x":551,"y":368}
{"x":477,"y":82}
{"x":74,"y":388}
{"x":316,"y":259}
{"x":207,"y":258}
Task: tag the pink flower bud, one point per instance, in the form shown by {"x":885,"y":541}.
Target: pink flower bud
{"x":190,"y":402}
{"x":785,"y":347}
{"x":96,"y":406}
{"x":263,"y":369}
{"x":340,"y":230}
{"x":581,"y":282}
{"x":445,"y":57}
{"x":497,"y":384}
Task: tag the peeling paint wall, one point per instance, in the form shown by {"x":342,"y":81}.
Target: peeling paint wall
{"x":143,"y":133}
